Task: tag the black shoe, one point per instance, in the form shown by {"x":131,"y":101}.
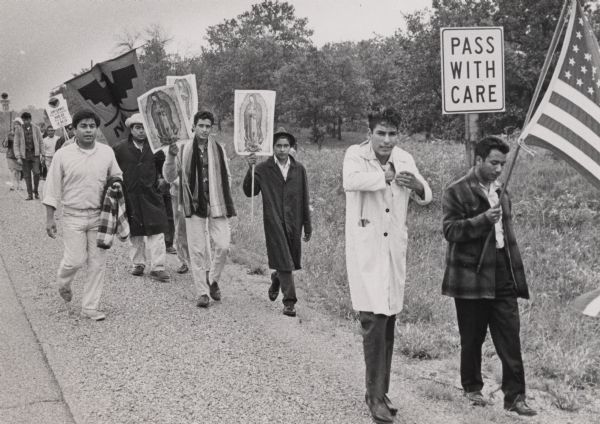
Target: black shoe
{"x":289,"y":311}
{"x":36,"y":194}
{"x":203,"y":301}
{"x":274,"y":287}
{"x":476,"y":398}
{"x":519,"y":406}
{"x":30,"y":197}
{"x":379,"y":410}
{"x":182,"y":269}
{"x":215,"y":292}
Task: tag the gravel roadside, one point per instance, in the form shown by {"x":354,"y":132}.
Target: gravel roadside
{"x":159,"y":359}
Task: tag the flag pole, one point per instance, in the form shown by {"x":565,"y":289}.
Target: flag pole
{"x":536,"y":93}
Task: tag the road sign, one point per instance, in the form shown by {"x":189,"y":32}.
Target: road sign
{"x":472,"y":69}
{"x":58,"y":112}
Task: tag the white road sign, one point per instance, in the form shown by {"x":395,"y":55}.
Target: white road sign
{"x":472,"y":69}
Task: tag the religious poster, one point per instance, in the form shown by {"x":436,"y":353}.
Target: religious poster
{"x":254,"y":116}
{"x":187,"y":90}
{"x":58,"y":111}
{"x":164,"y":117}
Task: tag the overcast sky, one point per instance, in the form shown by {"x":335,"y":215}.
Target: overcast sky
{"x":43,"y":42}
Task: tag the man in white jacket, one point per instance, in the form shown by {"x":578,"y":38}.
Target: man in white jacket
{"x":379,"y":178}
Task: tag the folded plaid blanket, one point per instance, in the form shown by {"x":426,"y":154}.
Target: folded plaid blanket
{"x":113,"y":218}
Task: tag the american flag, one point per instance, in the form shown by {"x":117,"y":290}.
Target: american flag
{"x":588,"y":303}
{"x":567,"y":121}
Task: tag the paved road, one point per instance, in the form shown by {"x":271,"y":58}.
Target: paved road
{"x":159,"y":359}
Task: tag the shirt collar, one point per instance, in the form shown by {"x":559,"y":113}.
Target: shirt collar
{"x":285,"y":165}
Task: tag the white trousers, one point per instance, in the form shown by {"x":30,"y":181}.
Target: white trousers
{"x":199,"y":233}
{"x":156,"y":248}
{"x":80,"y":228}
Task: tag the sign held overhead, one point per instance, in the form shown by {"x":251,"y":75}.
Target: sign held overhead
{"x":472,"y":69}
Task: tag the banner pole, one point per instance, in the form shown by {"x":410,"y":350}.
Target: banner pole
{"x":557,"y":31}
{"x":252,"y":196}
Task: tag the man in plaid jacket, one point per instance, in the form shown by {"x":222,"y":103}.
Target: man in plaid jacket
{"x":485,"y":290}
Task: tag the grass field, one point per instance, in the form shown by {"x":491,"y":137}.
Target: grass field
{"x":557,"y":217}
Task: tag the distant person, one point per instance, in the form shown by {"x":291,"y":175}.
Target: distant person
{"x":28,"y":141}
{"x":164,"y":188}
{"x":49,"y":146}
{"x":205,"y":198}
{"x":379,"y":178}
{"x":65,"y":139}
{"x":284,"y":186}
{"x":145,"y":206}
{"x":77,"y":178}
{"x":485,"y":291}
{"x":14,"y":167}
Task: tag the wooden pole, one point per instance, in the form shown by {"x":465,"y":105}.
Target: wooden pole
{"x":536,"y":93}
{"x":252,"y":196}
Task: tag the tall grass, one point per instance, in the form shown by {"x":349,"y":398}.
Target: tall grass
{"x":556,"y":214}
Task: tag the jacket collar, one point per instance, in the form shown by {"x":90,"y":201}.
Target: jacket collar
{"x":475,"y":184}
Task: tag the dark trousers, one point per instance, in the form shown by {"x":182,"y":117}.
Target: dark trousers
{"x":288,"y":289}
{"x":502,"y":317}
{"x":170,"y":234}
{"x":378,"y":345}
{"x":31,"y":166}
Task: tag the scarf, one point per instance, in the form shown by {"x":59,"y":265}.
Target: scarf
{"x":219,"y":192}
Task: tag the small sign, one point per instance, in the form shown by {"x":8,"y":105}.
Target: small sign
{"x":58,"y":112}
{"x":472,"y":69}
{"x":253,"y":119}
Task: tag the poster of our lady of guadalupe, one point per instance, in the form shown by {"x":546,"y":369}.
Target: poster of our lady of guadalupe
{"x":164,"y":116}
{"x":254,"y":116}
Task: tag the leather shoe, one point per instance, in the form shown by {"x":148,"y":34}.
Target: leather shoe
{"x":476,"y":398}
{"x":274,"y":287}
{"x":519,"y":406}
{"x":379,"y":410}
{"x":137,"y":270}
{"x":203,"y":301}
{"x":215,"y":291}
{"x":182,"y":269}
{"x":65,"y":293}
{"x":30,"y":197}
{"x":36,"y":194}
{"x":289,"y":310}
{"x":93,"y":314}
{"x":171,"y":250}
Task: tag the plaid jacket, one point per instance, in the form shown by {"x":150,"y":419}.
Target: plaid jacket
{"x":113,"y":218}
{"x":466,"y":229}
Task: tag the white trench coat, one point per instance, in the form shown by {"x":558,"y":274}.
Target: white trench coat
{"x":376,"y":233}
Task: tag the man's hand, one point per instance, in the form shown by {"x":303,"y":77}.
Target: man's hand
{"x":20,"y":161}
{"x":493,"y":214}
{"x":307,"y":236}
{"x":163,"y":186}
{"x":116,"y":184}
{"x":173,"y":149}
{"x":408,"y":180}
{"x":252,"y":159}
{"x":51,"y":227}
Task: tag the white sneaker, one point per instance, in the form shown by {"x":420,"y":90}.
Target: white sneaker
{"x":93,"y":314}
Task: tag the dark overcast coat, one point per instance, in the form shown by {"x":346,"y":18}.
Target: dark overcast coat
{"x":145,"y":206}
{"x":285,"y":210}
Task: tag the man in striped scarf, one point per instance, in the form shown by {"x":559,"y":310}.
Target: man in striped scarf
{"x":205,"y":199}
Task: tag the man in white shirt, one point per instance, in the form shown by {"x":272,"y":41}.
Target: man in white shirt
{"x":286,"y":213}
{"x":48,"y":145}
{"x":77,"y":178}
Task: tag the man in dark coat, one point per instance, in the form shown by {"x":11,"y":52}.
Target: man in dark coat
{"x":284,"y":186}
{"x":485,"y":289}
{"x":145,"y":206}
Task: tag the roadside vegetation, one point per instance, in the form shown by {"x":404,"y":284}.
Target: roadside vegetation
{"x":556,"y":213}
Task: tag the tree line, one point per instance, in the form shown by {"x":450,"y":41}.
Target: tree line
{"x":332,"y":87}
